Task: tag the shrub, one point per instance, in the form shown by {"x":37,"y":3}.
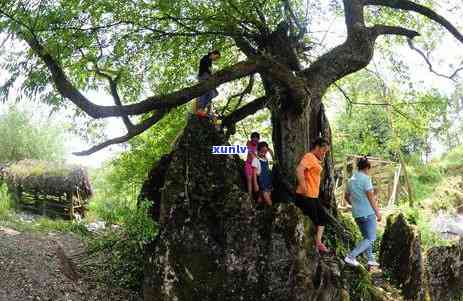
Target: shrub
{"x":124,"y":246}
{"x":5,"y":201}
{"x":429,"y":174}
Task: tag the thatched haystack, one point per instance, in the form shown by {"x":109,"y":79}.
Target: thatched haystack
{"x":49,"y":188}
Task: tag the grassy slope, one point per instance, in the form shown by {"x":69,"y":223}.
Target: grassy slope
{"x":438,"y":187}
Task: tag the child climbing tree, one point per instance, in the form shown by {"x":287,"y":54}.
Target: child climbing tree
{"x":116,"y":42}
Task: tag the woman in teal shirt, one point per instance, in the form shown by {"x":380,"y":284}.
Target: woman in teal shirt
{"x":360,"y":195}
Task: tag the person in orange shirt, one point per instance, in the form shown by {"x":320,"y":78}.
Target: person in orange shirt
{"x":308,"y":174}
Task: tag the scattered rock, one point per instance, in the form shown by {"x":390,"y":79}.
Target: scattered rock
{"x":444,"y":269}
{"x":400,"y":256}
{"x":448,"y":224}
{"x":9,"y":231}
{"x":69,"y":268}
{"x":96,"y":226}
{"x":27,"y":217}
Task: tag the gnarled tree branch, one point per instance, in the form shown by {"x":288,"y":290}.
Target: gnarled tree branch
{"x":420,"y":9}
{"x":302,"y":28}
{"x":171,"y":100}
{"x":245,"y":111}
{"x":113,"y":82}
{"x":428,"y":62}
{"x":241,"y":95}
{"x":117,"y":99}
{"x":136,"y":130}
{"x":354,"y":54}
{"x":394,"y":30}
{"x":353,"y":15}
{"x":357,"y":51}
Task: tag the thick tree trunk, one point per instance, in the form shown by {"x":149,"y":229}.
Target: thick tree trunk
{"x":291,"y":139}
{"x":322,"y":127}
{"x":296,"y":123}
{"x":293,"y":134}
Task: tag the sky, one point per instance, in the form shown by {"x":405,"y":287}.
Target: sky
{"x":445,"y":59}
{"x":73,"y":143}
{"x":447,"y":54}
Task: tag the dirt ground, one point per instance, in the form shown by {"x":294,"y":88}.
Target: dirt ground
{"x":46,"y":266}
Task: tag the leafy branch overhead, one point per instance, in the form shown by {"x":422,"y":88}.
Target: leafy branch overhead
{"x":137,"y":48}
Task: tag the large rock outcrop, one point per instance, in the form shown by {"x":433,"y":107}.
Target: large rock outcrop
{"x":216,"y":244}
{"x":400,"y":256}
{"x":444,"y":269}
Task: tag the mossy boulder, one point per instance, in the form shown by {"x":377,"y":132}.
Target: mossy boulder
{"x":215,"y":243}
{"x":401,"y":258}
{"x":360,"y":287}
{"x":444,"y":269}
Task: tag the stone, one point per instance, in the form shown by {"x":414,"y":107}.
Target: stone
{"x":9,"y":231}
{"x":214,"y":243}
{"x":444,"y":270}
{"x":400,"y":256}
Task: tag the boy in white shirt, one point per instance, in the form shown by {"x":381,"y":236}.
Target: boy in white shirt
{"x":263,"y":176}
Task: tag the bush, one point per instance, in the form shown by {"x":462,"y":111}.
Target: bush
{"x":412,"y":215}
{"x":377,"y":243}
{"x":116,"y":189}
{"x":339,"y":242}
{"x":429,"y":174}
{"x":424,"y":179}
{"x":130,"y":228}
{"x":5,"y":201}
{"x":124,"y":247}
{"x":453,"y":157}
{"x":429,"y":238}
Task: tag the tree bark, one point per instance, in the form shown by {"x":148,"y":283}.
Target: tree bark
{"x":296,"y":127}
{"x":291,"y":139}
{"x":293,"y":135}
{"x":327,"y":184}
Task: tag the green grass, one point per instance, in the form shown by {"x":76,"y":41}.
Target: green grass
{"x":42,"y":224}
{"x":5,"y":203}
{"x":453,"y":159}
{"x":125,"y":246}
{"x":425,"y":179}
{"x":439,"y":184}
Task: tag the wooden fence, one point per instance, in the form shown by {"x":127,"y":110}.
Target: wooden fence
{"x":385,"y":177}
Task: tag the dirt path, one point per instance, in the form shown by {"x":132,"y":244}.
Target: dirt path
{"x":37,"y":266}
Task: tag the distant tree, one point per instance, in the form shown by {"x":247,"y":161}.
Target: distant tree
{"x":364,"y":127}
{"x":24,"y":138}
{"x":449,"y":127}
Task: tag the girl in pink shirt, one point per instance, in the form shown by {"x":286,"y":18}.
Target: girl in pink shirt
{"x":252,"y":153}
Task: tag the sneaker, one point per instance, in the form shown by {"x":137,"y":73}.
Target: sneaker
{"x":373,"y":263}
{"x":351,"y":261}
{"x":322,"y":248}
{"x":201,"y":114}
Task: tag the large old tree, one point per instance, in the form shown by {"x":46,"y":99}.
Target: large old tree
{"x":134,"y":48}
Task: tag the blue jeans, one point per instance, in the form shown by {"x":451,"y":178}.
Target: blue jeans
{"x":204,"y":101}
{"x":367,"y":225}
